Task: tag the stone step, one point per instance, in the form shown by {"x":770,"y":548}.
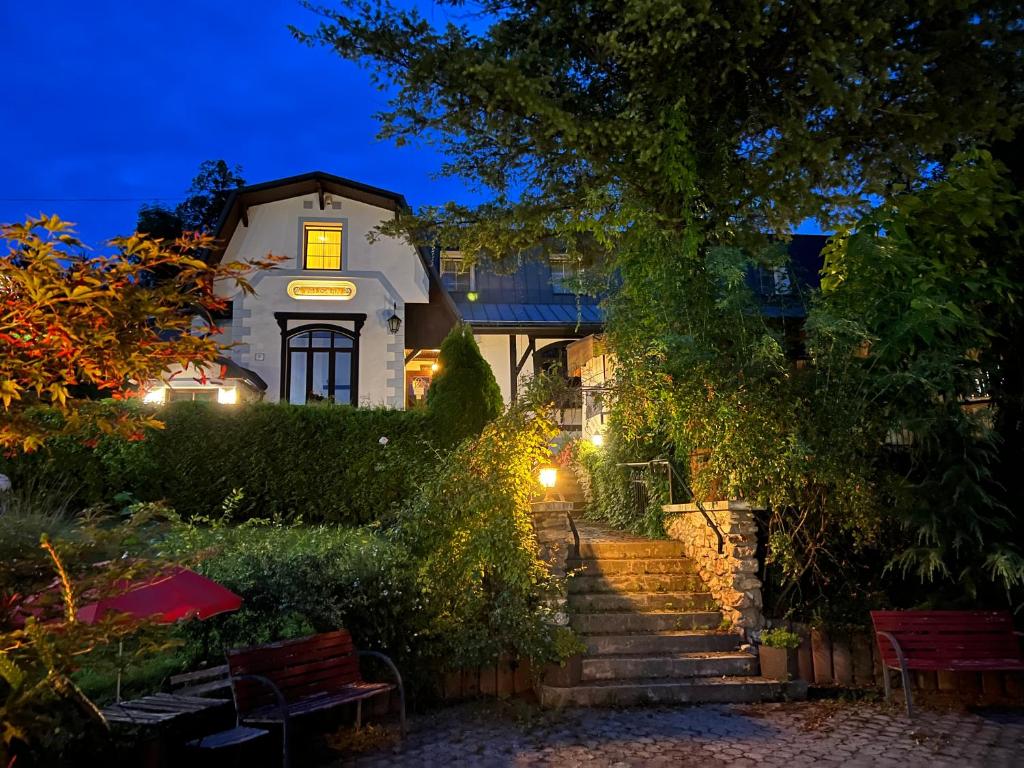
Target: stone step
{"x":674,"y":641}
{"x":690,"y":665}
{"x":631,"y":566}
{"x":621,"y":584}
{"x":616,"y":549}
{"x":597,"y":602}
{"x":625,"y":623}
{"x":693,"y":691}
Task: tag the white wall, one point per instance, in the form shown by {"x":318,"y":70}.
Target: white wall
{"x":385,"y":273}
{"x":495,"y":349}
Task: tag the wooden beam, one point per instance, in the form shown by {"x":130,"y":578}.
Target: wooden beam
{"x":513,"y":373}
{"x":530,"y":348}
{"x":320,"y":194}
{"x":411,"y":355}
{"x":245,"y":216}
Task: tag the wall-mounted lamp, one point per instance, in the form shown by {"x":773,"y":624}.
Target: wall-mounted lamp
{"x":597,"y":439}
{"x":394,"y":322}
{"x":155,"y":396}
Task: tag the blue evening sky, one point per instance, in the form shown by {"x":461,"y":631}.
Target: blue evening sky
{"x":111,"y":104}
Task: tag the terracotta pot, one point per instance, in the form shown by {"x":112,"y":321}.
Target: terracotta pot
{"x":700,"y":476}
{"x":778,"y":663}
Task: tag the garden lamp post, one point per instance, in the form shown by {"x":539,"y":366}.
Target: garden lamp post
{"x":548,"y":477}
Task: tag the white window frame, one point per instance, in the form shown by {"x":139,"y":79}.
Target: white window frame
{"x":450,"y":258}
{"x":559,"y":261}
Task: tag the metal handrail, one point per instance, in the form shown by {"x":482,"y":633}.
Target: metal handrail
{"x":672,"y":474}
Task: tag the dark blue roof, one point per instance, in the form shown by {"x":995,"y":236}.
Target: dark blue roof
{"x":526,"y":297}
{"x":484,"y":313}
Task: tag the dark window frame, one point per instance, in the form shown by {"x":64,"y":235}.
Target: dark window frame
{"x":319,"y":322}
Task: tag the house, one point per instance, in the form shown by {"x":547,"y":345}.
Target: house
{"x":347,"y":319}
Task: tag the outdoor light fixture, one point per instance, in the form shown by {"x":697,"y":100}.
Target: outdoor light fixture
{"x":155,"y":396}
{"x":548,"y":478}
{"x":227,"y":395}
{"x":394,"y":322}
{"x":472,"y":296}
{"x":597,"y":439}
{"x":435,"y":367}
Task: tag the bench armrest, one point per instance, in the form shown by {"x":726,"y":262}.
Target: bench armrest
{"x":398,"y":679}
{"x":387,"y":662}
{"x":900,"y":658}
{"x":282,"y":707}
{"x":280,"y":702}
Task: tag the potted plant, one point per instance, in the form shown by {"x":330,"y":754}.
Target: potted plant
{"x":778,"y":654}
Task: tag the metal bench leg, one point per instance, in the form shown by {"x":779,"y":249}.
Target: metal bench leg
{"x":359,"y":714}
{"x":905,"y":674}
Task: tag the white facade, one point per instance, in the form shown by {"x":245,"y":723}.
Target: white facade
{"x":386,"y":274}
{"x":278,"y":334}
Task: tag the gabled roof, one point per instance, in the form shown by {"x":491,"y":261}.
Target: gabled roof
{"x":320,"y":183}
{"x":440,"y":312}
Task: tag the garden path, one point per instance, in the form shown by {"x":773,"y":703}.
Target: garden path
{"x":785,"y":735}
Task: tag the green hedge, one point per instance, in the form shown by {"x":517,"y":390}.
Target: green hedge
{"x":317,"y":463}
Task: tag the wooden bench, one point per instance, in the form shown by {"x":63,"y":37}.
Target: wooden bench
{"x":954,"y":641}
{"x":272,"y":684}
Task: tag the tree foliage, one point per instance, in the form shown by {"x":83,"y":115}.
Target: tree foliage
{"x":202,"y":207}
{"x":73,"y":327}
{"x":734,"y":117}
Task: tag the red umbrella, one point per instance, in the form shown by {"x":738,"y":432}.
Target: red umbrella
{"x":173,"y":595}
{"x":176,"y":594}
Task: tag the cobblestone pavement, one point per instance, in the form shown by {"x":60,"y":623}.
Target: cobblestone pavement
{"x":790,"y":735}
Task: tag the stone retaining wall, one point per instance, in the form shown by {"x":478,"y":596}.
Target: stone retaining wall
{"x":731,"y":576}
{"x":555,"y":537}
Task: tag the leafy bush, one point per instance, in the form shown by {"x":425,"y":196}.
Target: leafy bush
{"x":464,"y":395}
{"x":317,"y":463}
{"x":612,"y":496}
{"x":470,"y":529}
{"x":300,"y":580}
{"x":780,"y":638}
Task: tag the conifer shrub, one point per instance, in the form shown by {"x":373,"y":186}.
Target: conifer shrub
{"x":464,"y":394}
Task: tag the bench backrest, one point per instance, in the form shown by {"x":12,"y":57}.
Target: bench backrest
{"x":323,"y":663}
{"x":937,"y":636}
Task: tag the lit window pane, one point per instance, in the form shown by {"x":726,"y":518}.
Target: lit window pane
{"x":322,"y":244}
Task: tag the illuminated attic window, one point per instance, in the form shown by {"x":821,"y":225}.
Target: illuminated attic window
{"x":321,"y":245}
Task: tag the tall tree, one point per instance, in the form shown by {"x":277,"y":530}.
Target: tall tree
{"x":200,"y":210}
{"x":727,"y":115}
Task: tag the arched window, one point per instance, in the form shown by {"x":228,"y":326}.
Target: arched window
{"x":321,"y":365}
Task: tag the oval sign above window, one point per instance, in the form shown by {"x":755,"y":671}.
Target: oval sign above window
{"x":322,"y":290}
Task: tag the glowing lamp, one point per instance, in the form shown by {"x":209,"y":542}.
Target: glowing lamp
{"x":394,"y":322}
{"x":435,"y":367}
{"x":227,"y":395}
{"x":597,"y":439}
{"x":155,"y":396}
{"x":472,"y":296}
{"x":548,"y":477}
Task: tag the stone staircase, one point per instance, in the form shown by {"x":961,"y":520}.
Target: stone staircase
{"x":652,"y":630}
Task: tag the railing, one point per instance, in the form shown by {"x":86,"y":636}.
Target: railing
{"x":641,"y":490}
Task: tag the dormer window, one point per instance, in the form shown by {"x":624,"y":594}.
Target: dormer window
{"x":455,"y":274}
{"x":321,"y":245}
{"x":564,"y":274}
